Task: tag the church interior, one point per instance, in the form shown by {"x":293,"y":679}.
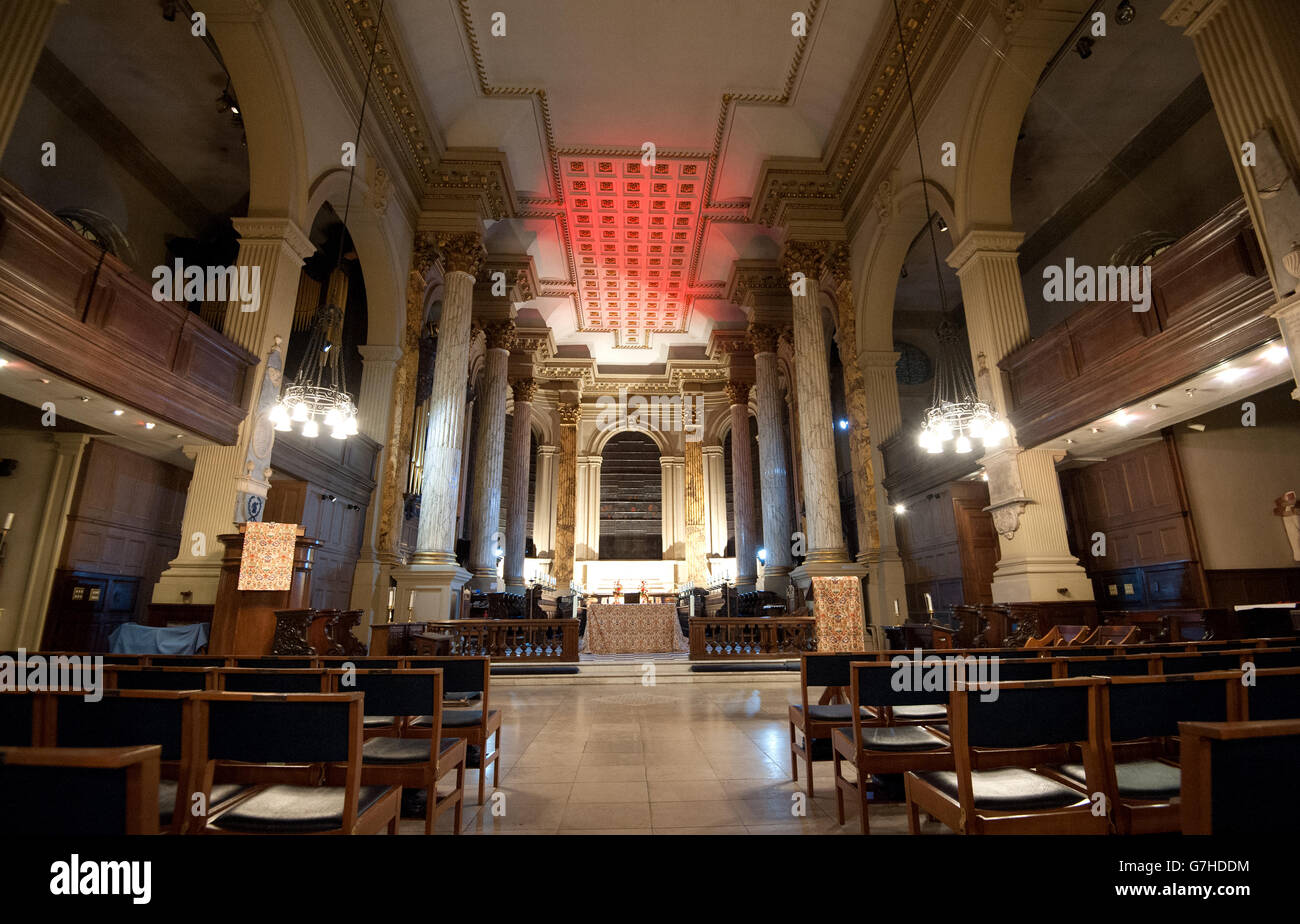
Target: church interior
{"x":693,"y":417}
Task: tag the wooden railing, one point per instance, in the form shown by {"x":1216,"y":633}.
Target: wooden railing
{"x":719,"y":638}
{"x":544,"y":640}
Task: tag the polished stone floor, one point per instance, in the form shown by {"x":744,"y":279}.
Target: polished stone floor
{"x":677,"y":758}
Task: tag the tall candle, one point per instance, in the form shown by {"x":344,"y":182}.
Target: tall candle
{"x":9,"y":520}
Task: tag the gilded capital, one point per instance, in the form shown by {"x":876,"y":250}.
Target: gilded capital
{"x":500,"y":334}
{"x":836,"y":262}
{"x":524,"y":390}
{"x":424,"y":251}
{"x":738,"y":393}
{"x":462,"y":253}
{"x":570,"y":413}
{"x":803,"y":257}
{"x":762,"y":338}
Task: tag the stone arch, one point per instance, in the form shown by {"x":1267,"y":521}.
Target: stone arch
{"x":263,"y":81}
{"x":600,"y":437}
{"x":986,"y":151}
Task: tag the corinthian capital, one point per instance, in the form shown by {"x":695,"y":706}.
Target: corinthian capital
{"x":738,"y":393}
{"x":803,"y":257}
{"x":462,"y":253}
{"x":524,"y":390}
{"x":500,"y":334}
{"x":570,"y":413}
{"x":836,"y":262}
{"x":424,"y":250}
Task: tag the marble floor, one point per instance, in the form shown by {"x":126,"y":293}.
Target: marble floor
{"x":676,"y":758}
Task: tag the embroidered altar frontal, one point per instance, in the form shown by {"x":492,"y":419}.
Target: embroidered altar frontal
{"x":632,"y":628}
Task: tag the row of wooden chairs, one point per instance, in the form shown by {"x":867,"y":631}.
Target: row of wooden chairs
{"x":378,"y":662}
{"x":1074,"y":636}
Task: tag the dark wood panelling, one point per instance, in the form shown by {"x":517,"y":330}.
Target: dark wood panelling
{"x":1229,"y":588}
{"x":68,"y":307}
{"x":1211,"y":301}
{"x":948,"y":546}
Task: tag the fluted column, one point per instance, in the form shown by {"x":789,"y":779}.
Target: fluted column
{"x":673,"y":485}
{"x":886,"y":588}
{"x":742,"y":487}
{"x":566,"y":499}
{"x":229,"y":483}
{"x":395,"y":464}
{"x":436,"y":533}
{"x":462,"y":501}
{"x":24,"y":27}
{"x":1024,"y":491}
{"x":1247,"y":52}
{"x":489,"y":457}
{"x":715,"y":500}
{"x":587,"y":515}
{"x":378,"y":365}
{"x":771,"y":461}
{"x":517,"y":491}
{"x":812,"y":380}
{"x":544,"y":501}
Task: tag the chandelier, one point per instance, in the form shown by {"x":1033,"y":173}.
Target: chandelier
{"x":316,"y":396}
{"x":956,"y":413}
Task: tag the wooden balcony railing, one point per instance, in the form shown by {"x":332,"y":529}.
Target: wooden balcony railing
{"x":715,"y":638}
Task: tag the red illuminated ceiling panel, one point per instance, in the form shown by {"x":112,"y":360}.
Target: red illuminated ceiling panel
{"x":632,"y":230}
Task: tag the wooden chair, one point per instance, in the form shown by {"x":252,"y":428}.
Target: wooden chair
{"x":1237,"y":776}
{"x":277,"y":680}
{"x":187,"y":661}
{"x":1140,"y":717}
{"x":464,"y":676}
{"x":995,"y":745}
{"x":263,"y":732}
{"x":160,"y":678}
{"x":1275,"y":695}
{"x":1116,"y":635}
{"x":813,"y":722}
{"x":80,"y":792}
{"x":1050,"y":640}
{"x":276,"y":661}
{"x":872,"y":746}
{"x":422,"y":757}
{"x":1115,"y":665}
{"x":1074,"y":636}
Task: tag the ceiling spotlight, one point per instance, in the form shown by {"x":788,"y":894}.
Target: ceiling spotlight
{"x":1276,"y":354}
{"x":44,"y":381}
{"x":1125,"y":12}
{"x":1069,"y":440}
{"x":149,"y":425}
{"x":83,"y":398}
{"x":1156,"y":407}
{"x":119,"y":412}
{"x":900,"y":509}
{"x":3,"y":362}
{"x":1199,"y":428}
{"x":1094,"y":429}
{"x":1231,"y":373}
{"x":1083,"y":47}
{"x":1124,"y":418}
{"x":943,"y":225}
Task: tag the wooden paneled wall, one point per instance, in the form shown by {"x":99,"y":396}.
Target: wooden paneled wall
{"x":1137,"y":502}
{"x":948,"y":546}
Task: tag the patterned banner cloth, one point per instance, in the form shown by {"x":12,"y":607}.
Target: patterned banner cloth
{"x":267,"y":562}
{"x":838,"y":610}
{"x":632,"y":628}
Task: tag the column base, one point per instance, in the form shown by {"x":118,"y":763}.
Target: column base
{"x":776,"y":579}
{"x":886,"y":587}
{"x":428,"y":592}
{"x":746,"y":583}
{"x":485,"y":581}
{"x":515,"y":585}
{"x":198,"y":578}
{"x":1041,"y":580}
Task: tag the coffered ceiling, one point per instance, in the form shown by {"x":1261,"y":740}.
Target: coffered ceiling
{"x":632,"y":251}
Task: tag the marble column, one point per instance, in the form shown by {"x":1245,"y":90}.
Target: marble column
{"x":836,"y":586}
{"x":370,"y":580}
{"x":489,"y":457}
{"x":695,"y":541}
{"x":430,"y":584}
{"x":566,"y":500}
{"x":517,"y":491}
{"x":23,"y":30}
{"x":886,"y":586}
{"x":462,"y":487}
{"x":1024,"y":492}
{"x":229,"y":483}
{"x":715,"y":498}
{"x":772,"y":461}
{"x":395,"y":463}
{"x":672,"y":480}
{"x":1247,"y":52}
{"x":544,"y":502}
{"x":742,"y":487}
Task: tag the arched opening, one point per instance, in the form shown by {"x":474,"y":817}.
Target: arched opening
{"x":631,"y":498}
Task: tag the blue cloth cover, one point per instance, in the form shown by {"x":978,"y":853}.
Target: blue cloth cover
{"x":133,"y":638}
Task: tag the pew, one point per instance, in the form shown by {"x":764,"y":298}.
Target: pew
{"x":81,"y":792}
{"x":1236,"y":777}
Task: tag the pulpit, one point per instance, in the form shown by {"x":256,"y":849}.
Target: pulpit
{"x":243,"y":621}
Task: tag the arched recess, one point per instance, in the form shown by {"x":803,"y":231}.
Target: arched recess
{"x":600,"y":438}
{"x":885,"y":257}
{"x":631,"y":496}
{"x":542,"y":426}
{"x":263,"y":82}
{"x":381,"y":257}
{"x":986,"y":152}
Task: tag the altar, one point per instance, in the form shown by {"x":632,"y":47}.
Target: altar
{"x":632,"y":628}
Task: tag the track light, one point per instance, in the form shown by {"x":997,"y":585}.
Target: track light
{"x":1125,"y":12}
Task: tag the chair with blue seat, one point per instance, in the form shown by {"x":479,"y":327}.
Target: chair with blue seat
{"x":1141,"y":777}
{"x":875,"y":748}
{"x":999,"y":738}
{"x":270,"y":736}
{"x":467,"y":678}
{"x":811,"y":722}
{"x":412,"y":760}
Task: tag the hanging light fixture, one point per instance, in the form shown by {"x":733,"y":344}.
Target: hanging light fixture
{"x":956,"y":414}
{"x":317,"y":395}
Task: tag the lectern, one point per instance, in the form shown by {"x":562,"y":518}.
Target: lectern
{"x":243,"y":621}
